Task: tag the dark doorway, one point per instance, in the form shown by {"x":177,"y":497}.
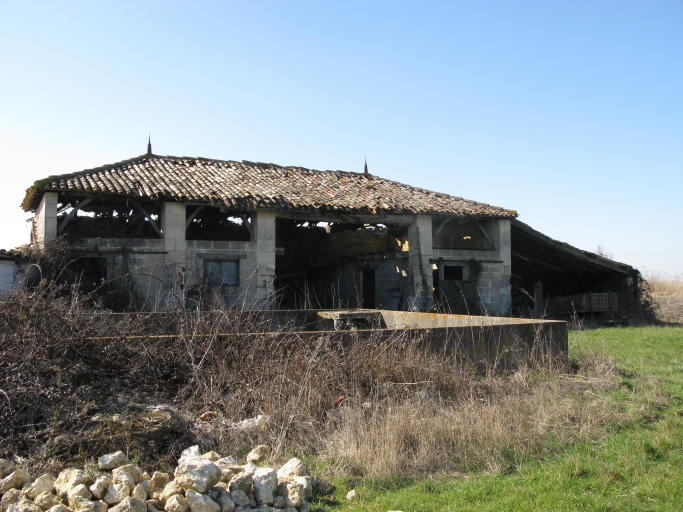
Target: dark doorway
{"x":369,"y":289}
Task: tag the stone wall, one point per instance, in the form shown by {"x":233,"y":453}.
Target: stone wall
{"x":487,"y":272}
{"x":166,"y":270}
{"x":45,"y":220}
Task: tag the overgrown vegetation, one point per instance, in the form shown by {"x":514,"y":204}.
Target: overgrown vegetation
{"x":667,"y":295}
{"x":634,"y":465}
{"x":77,"y":381}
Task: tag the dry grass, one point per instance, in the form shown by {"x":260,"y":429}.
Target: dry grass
{"x":521,"y":415}
{"x":76,"y":382}
{"x":667,"y":295}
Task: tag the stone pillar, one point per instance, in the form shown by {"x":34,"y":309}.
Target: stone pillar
{"x":173,"y":231}
{"x":264,"y":233}
{"x":505,"y":249}
{"x":45,"y":227}
{"x":420,"y":294}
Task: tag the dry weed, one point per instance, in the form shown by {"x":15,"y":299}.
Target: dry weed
{"x":77,"y":381}
{"x":667,"y":295}
{"x":520,"y":416}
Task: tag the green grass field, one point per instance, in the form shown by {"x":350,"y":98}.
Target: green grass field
{"x":636,"y":465}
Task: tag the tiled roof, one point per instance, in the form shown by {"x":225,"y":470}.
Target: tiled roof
{"x":244,"y":186}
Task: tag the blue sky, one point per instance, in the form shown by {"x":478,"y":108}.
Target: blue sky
{"x":570,"y":113}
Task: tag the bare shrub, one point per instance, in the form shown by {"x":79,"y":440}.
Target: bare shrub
{"x":77,"y":380}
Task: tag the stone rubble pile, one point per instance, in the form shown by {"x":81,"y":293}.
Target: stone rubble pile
{"x":200,"y":483}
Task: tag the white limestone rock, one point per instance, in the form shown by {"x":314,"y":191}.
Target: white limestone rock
{"x":112,"y":460}
{"x":44,"y":483}
{"x":259,"y":454}
{"x":189,"y":453}
{"x":265,"y":485}
{"x":140,"y":492}
{"x":240,"y":498}
{"x":242,"y":481}
{"x":70,"y":478}
{"x":197,"y":474}
{"x":101,"y":486}
{"x":116,"y":493}
{"x":81,"y":504}
{"x":293,"y":467}
{"x":24,"y":506}
{"x":307,"y":482}
{"x":201,"y":503}
{"x":212,"y":456}
{"x":46,"y":500}
{"x":352,"y":495}
{"x":293,"y":492}
{"x":176,"y":503}
{"x":79,"y":490}
{"x":60,"y":508}
{"x":227,"y":467}
{"x":256,"y":424}
{"x":11,"y":497}
{"x":158,"y":480}
{"x":151,"y":506}
{"x":171,"y":489}
{"x":221,"y":496}
{"x":126,"y":479}
{"x":129,"y":474}
{"x":130,"y":505}
{"x":14,"y":480}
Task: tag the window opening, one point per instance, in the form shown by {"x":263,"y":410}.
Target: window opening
{"x":222,"y":275}
{"x":451,"y":273}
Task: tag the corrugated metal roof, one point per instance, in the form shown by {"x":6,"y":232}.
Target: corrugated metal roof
{"x":244,"y":186}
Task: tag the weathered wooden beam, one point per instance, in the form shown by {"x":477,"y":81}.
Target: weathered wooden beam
{"x":441,"y":226}
{"x":246,"y":220}
{"x":148,"y":217}
{"x":347,"y":218}
{"x":193,"y":215}
{"x":72,"y":214}
{"x":493,"y":247}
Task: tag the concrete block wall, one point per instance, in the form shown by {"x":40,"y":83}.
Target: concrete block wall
{"x":199,"y":251}
{"x":389,"y":275}
{"x":157,"y":265}
{"x":264,"y":232}
{"x":173,"y":230}
{"x":45,"y":220}
{"x":420,"y":296}
{"x":493,"y":282}
{"x":362,"y":241}
{"x":143,"y":258}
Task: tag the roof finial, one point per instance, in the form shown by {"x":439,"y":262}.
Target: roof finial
{"x":365,"y":169}
{"x":149,"y":145}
